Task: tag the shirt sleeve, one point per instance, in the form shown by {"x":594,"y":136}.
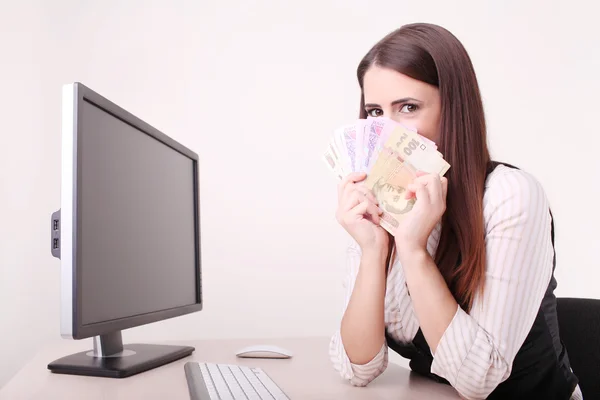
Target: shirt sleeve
{"x":356,"y":374}
{"x":477,"y":350}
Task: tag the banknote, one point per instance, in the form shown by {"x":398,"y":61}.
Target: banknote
{"x":390,"y":176}
{"x":422,"y":155}
{"x":361,"y":152}
{"x":374,"y":133}
{"x":391,"y":154}
{"x":346,"y":136}
{"x":332,"y":160}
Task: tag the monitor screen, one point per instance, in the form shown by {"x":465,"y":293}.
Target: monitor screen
{"x":136,"y":234}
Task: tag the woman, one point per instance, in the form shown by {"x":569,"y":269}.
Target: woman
{"x":464,"y":287}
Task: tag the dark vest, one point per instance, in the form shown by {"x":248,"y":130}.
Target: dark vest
{"x":541,"y":368}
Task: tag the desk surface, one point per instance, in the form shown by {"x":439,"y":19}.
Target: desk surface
{"x":307,"y":375}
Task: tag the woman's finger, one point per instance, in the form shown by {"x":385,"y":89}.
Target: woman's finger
{"x":350,"y":188}
{"x":444,"y":182}
{"x":366,"y":209}
{"x":373,"y":213}
{"x":420,"y":191}
{"x":359,"y":209}
{"x":357,"y":187}
{"x":432,"y":182}
{"x":352,"y":200}
{"x":436,"y":189}
{"x":368,"y":194}
{"x":411,"y":189}
{"x":349,"y":180}
{"x":426,"y":178}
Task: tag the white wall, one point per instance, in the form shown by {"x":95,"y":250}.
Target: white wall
{"x":223,"y":76}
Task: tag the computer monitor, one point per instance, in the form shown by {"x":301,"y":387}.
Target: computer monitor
{"x":127,"y":234}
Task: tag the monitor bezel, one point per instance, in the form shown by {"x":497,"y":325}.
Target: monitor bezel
{"x":74,"y":96}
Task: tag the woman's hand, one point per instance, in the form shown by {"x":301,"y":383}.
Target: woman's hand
{"x":430,"y":191}
{"x":358,"y":213}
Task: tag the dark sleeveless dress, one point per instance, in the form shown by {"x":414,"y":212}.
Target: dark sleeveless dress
{"x":541,"y":368}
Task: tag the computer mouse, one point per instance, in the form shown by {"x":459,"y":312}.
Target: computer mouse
{"x":264,"y":351}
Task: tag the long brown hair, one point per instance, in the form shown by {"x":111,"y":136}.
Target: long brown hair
{"x":432,"y":54}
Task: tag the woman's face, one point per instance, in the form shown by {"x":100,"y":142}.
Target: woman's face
{"x":410,"y":102}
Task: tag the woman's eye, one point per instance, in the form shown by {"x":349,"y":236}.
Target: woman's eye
{"x":408,"y":108}
{"x":374,"y":112}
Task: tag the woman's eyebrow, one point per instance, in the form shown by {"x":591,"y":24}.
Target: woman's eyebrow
{"x":406,"y":100}
{"x":402,"y":100}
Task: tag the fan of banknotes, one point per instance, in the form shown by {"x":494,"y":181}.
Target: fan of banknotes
{"x":390,"y":154}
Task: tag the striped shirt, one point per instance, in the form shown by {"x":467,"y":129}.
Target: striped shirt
{"x":477,"y":350}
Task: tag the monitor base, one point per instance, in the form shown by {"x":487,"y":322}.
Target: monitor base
{"x":130,"y":360}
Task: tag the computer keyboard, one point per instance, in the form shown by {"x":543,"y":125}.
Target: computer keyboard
{"x":208,"y":381}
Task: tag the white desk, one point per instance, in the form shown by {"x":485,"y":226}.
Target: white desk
{"x":307,"y":375}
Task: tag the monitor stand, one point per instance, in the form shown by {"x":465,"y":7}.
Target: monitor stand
{"x":110,"y":359}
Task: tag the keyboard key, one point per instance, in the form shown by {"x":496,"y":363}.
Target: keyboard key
{"x":257,"y":384}
{"x":269,"y":384}
{"x":210,"y":386}
{"x":244,"y":384}
{"x":235,"y":382}
{"x":220,"y":383}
